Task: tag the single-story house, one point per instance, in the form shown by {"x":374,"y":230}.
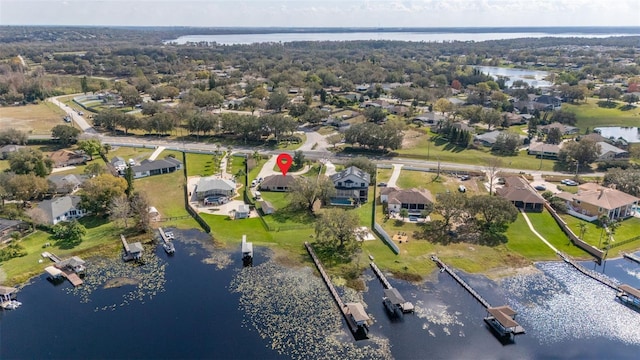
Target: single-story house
{"x":209,"y":186}
{"x":414,"y":200}
{"x":267,"y":207}
{"x":62,"y":158}
{"x":488,"y":138}
{"x":63,"y":208}
{"x":6,"y":150}
{"x":8,"y":227}
{"x":398,"y":110}
{"x":521,"y":194}
{"x":514,"y":119}
{"x":610,"y":152}
{"x":277,"y":183}
{"x":66,"y":184}
{"x":592,"y":200}
{"x":463,"y":127}
{"x":242,"y":212}
{"x":551,"y":102}
{"x":564,"y":129}
{"x":429,"y":118}
{"x":351,"y":184}
{"x":544,"y":150}
{"x":156,"y":167}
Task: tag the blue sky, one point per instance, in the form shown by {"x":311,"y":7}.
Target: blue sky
{"x":325,"y":13}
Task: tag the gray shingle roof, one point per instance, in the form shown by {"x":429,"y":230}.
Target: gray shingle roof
{"x":58,"y":206}
{"x":149,"y":165}
{"x":349,"y":171}
{"x":209,"y":183}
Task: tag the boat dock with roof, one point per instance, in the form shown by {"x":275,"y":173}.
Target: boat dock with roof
{"x":68,"y":268}
{"x":166,"y":237}
{"x":501,"y":319}
{"x":131,"y":251}
{"x":8,"y":298}
{"x":353,"y":313}
{"x":392,"y":299}
{"x":629,"y":295}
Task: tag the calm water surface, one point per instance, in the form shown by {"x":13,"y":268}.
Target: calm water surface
{"x":534,"y":78}
{"x":201,"y":303}
{"x":234,"y":39}
{"x":630,"y":134}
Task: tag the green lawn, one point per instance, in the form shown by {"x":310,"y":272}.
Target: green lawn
{"x":165,"y":193}
{"x":201,"y":165}
{"x":546,"y":226}
{"x":629,"y":228}
{"x":590,"y":115}
{"x":102,"y":237}
{"x":433,"y":150}
{"x":524,"y":242}
{"x":137,"y":154}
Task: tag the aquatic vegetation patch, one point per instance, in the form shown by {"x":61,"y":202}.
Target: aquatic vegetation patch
{"x":293,"y":310}
{"x":147,"y":280}
{"x":437,"y":315}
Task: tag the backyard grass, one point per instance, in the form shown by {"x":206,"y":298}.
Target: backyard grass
{"x":590,"y":115}
{"x":546,"y":226}
{"x":137,"y":154}
{"x":101,"y":238}
{"x":4,"y":164}
{"x":524,"y":242}
{"x":33,"y":119}
{"x":201,"y":165}
{"x":630,"y":228}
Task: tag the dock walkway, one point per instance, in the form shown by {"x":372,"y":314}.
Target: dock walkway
{"x":595,"y":276}
{"x":381,"y":276}
{"x":332,"y":290}
{"x":73,"y":278}
{"x":463,"y":283}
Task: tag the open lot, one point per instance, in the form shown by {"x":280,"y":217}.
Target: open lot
{"x":34,"y":119}
{"x":590,"y":115}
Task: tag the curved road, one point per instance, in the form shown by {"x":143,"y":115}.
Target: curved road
{"x":320,"y":153}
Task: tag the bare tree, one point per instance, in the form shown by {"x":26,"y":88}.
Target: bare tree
{"x":140,"y":211}
{"x":120,"y":210}
{"x":493,"y":169}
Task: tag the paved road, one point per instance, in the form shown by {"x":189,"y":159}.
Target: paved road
{"x":319,"y":153}
{"x":81,"y":121}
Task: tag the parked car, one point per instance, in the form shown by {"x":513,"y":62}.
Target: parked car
{"x":254,"y":183}
{"x":540,"y":187}
{"x":462,"y":188}
{"x":382,"y":184}
{"x":465,"y":177}
{"x":571,"y":183}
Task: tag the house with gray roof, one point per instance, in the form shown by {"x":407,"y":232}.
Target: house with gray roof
{"x":118,"y":163}
{"x":277,"y":183}
{"x":414,"y":200}
{"x":488,"y":138}
{"x":156,"y":167}
{"x":210,"y":186}
{"x":610,"y":152}
{"x":351,"y":183}
{"x":6,"y":150}
{"x":66,"y":184}
{"x":8,"y":227}
{"x":63,"y":208}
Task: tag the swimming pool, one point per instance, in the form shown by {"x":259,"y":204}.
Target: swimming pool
{"x":341,"y":201}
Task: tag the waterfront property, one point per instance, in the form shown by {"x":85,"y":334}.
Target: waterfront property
{"x":131,"y":251}
{"x":63,"y":208}
{"x":8,"y":298}
{"x":68,"y":268}
{"x":351,"y":184}
{"x":62,"y":158}
{"x":414,"y":200}
{"x":167,"y":245}
{"x":213,"y":186}
{"x":66,"y":184}
{"x":8,"y":227}
{"x":277,"y":183}
{"x":521,"y":194}
{"x":592,"y":200}
{"x":392,"y":299}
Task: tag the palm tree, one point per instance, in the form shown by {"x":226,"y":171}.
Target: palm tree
{"x":583,"y":229}
{"x":603,"y":222}
{"x":404,"y":213}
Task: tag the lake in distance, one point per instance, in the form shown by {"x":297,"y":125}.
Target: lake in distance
{"x":201,"y":303}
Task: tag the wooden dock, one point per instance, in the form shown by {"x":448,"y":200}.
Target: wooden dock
{"x":380,"y":276}
{"x":631,"y":257}
{"x":166,"y":241}
{"x":66,"y":273}
{"x":343,"y":308}
{"x":51,"y":257}
{"x":500,"y":318}
{"x":463,"y":283}
{"x":596,"y":276}
{"x":73,"y":278}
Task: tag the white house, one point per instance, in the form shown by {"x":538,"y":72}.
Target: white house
{"x":351,"y":184}
{"x":63,"y":208}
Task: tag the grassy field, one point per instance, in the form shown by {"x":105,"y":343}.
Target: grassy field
{"x":101,"y":238}
{"x":421,"y":144}
{"x":590,"y":115}
{"x":525,"y":243}
{"x":201,"y":165}
{"x":137,"y":154}
{"x":546,"y":226}
{"x":436,"y":185}
{"x":35,"y":119}
{"x":594,"y":235}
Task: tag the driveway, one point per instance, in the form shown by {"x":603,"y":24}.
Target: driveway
{"x":81,"y":121}
{"x":395,"y":175}
{"x":538,"y":180}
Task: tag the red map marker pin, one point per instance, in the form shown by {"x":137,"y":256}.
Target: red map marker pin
{"x":284,"y":162}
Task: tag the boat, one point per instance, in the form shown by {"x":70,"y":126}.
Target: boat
{"x":169,"y":248}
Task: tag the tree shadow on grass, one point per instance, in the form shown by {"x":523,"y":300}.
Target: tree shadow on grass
{"x":627,"y":107}
{"x":67,"y":244}
{"x":91,"y":222}
{"x":291,"y":214}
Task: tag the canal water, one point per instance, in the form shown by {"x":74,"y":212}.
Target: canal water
{"x":201,"y":303}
